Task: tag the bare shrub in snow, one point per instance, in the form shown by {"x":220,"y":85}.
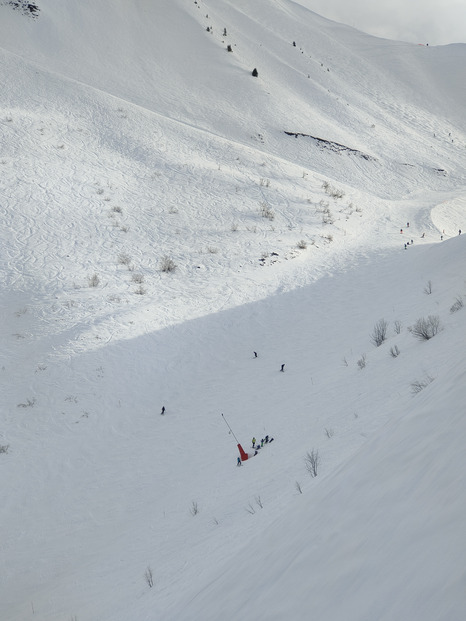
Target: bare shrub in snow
{"x":167,"y":264}
{"x":379,"y":333}
{"x":4,"y":448}
{"x":428,"y":288}
{"x":137,"y":278}
{"x":394,"y":351}
{"x":419,"y":385}
{"x":298,"y":487}
{"x":212,"y":250}
{"x":255,"y":73}
{"x":362,"y":362}
{"x":234,"y":227}
{"x":331,"y":191}
{"x":329,"y":433}
{"x":250,"y":509}
{"x":259,"y":502}
{"x":424,"y":329}
{"x":397,"y":326}
{"x":302,"y":244}
{"x":124,"y":259}
{"x":266,"y":211}
{"x":117,"y":209}
{"x":457,"y":304}
{"x":93,"y":281}
{"x":140,"y":290}
{"x":149,"y":577}
{"x":312,"y":461}
{"x":194,"y":508}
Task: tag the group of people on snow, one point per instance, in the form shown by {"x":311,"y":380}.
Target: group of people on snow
{"x":257,"y":446}
{"x":408,"y":243}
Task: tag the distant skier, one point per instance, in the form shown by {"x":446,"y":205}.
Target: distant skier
{"x":405,"y":246}
{"x":254,"y":443}
{"x":163,"y":410}
{"x":255,"y":354}
{"x":238,"y":463}
{"x":401,"y":230}
{"x":262,"y":442}
{"x":266,"y":439}
{"x":407,"y":225}
{"x":459,"y":232}
{"x":283,"y":368}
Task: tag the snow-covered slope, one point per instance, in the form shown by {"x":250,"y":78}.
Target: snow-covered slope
{"x":131,"y":137}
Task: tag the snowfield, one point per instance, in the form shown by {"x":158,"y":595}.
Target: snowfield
{"x":164,"y":215}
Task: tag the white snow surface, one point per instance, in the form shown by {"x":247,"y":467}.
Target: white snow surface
{"x":130,"y":136}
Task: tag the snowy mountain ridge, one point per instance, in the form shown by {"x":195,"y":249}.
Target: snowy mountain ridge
{"x":164,"y":215}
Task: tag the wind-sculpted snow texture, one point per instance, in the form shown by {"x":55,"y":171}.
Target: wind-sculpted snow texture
{"x":172,"y":232}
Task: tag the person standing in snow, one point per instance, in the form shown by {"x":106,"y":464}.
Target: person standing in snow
{"x":163,"y":410}
{"x":253,"y":443}
{"x":238,"y":463}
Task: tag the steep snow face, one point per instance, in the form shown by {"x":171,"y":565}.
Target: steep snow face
{"x":158,"y":226}
{"x":315,"y":76}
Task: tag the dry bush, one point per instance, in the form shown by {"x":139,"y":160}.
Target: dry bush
{"x":266,"y":211}
{"x":379,"y":333}
{"x":312,"y":461}
{"x":424,"y":329}
{"x":167,"y":264}
{"x":457,"y":304}
{"x":124,"y":259}
{"x":93,"y":281}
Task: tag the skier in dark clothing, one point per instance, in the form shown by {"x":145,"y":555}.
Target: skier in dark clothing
{"x":283,"y":368}
{"x":163,"y":410}
{"x":238,"y":463}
